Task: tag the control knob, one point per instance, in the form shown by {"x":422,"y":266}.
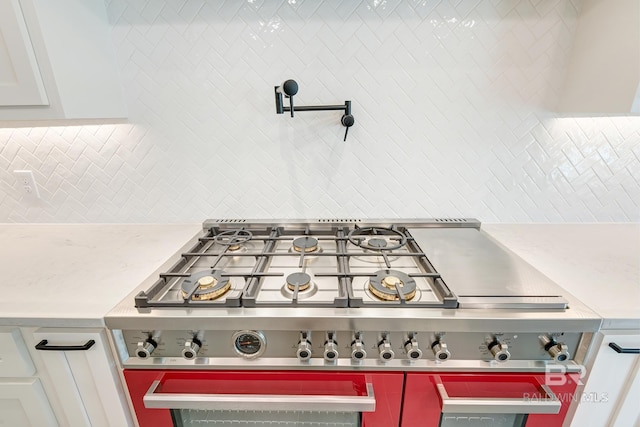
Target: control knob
{"x":357,"y":349}
{"x":191,"y":348}
{"x":499,"y":350}
{"x":411,"y":347}
{"x":330,"y":351}
{"x":384,"y":348}
{"x":440,"y":351}
{"x":146,"y":347}
{"x":557,"y":350}
{"x":304,"y":349}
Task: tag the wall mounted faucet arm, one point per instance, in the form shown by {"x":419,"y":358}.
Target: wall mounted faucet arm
{"x":289,"y":88}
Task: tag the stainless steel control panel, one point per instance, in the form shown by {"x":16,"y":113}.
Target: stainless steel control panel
{"x":327,"y":348}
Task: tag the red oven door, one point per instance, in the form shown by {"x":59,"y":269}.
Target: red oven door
{"x":185,"y":398}
{"x":495,"y":400}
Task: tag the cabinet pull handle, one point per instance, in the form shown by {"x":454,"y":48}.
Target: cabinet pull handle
{"x":619,"y":349}
{"x":42,"y":345}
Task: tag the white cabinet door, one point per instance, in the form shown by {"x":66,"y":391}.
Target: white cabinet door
{"x":603,"y":71}
{"x":20,"y":79}
{"x":612,"y":393}
{"x":23,"y":403}
{"x":15,"y":360}
{"x":63,"y":47}
{"x":85,"y":381}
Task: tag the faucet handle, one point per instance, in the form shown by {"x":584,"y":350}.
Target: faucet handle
{"x":290,"y":88}
{"x":347,"y":121}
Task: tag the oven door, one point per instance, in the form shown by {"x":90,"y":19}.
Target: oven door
{"x":232,"y":398}
{"x":492,"y":400}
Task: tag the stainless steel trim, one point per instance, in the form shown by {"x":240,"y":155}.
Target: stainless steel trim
{"x":318,"y":364}
{"x":525,"y":302}
{"x":244,"y":402}
{"x":534,"y":405}
{"x":336,"y":319}
{"x":323,"y":223}
{"x":586,"y":347}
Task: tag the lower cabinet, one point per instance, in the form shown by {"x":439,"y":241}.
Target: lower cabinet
{"x":59,"y":377}
{"x":611,"y":395}
{"x":23,"y":403}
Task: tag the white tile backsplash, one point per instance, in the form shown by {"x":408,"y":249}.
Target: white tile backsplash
{"x":451,"y":99}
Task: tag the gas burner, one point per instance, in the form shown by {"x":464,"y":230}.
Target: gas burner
{"x":210,"y":285}
{"x":233,"y":239}
{"x":386,"y":284}
{"x":300,"y":281}
{"x":377,"y":238}
{"x":377,"y":243}
{"x":305,"y":244}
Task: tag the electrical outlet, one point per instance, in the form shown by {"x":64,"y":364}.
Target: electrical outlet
{"x":27,"y":183}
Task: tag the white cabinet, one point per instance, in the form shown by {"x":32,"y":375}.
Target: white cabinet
{"x":603,"y":73}
{"x":14,"y":357}
{"x":20,"y":79}
{"x":57,"y":61}
{"x":612,"y":392}
{"x":23,"y":402}
{"x":80,"y":376}
{"x":70,"y":380}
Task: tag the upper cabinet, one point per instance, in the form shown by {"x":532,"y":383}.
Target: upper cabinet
{"x":57,"y":61}
{"x":20,"y":79}
{"x":603,"y":73}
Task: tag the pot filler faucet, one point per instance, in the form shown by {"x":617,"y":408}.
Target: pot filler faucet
{"x":289,"y":88}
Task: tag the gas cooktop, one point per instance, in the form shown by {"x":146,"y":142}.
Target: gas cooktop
{"x":326,"y":294}
{"x":322,"y":264}
{"x":428,"y":263}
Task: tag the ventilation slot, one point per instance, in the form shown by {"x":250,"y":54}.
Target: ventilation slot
{"x":450,"y":220}
{"x":340,"y":220}
{"x":229,"y":220}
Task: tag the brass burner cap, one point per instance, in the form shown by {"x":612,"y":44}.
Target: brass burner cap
{"x":207,"y":282}
{"x":306,"y":244}
{"x":391,"y":281}
{"x":215,"y":294}
{"x":302,"y":281}
{"x":209,"y":285}
{"x":388,"y":285}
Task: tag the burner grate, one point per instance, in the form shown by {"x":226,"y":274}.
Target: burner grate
{"x":258,"y":259}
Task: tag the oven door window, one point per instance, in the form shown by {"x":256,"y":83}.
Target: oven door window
{"x":228,"y":418}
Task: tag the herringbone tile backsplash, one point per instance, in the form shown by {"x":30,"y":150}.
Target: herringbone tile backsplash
{"x":451,"y":99}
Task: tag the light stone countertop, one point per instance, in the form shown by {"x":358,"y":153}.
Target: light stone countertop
{"x":66,"y":275}
{"x":598,"y":263}
{"x":71,"y":275}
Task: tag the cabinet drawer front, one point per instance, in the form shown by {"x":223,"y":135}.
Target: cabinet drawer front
{"x":14,"y":356}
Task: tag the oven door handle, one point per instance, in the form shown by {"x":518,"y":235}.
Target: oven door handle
{"x":244,"y":402}
{"x":548,"y":404}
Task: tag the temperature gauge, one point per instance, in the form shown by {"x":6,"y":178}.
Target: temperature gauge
{"x":249,"y":344}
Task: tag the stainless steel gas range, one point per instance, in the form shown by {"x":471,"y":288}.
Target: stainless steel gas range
{"x":407,"y":304}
